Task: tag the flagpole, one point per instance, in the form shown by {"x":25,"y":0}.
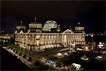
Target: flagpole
{"x":35,"y":19}
{"x":92,"y":40}
{"x":92,"y":43}
{"x":21,"y":22}
{"x":79,"y":24}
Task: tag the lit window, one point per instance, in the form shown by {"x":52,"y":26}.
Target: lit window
{"x":49,"y":37}
{"x":54,"y":36}
{"x":46,"y":36}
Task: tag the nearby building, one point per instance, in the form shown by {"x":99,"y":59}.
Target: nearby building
{"x":50,"y":36}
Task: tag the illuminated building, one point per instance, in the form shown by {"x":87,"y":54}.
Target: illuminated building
{"x":36,"y":38}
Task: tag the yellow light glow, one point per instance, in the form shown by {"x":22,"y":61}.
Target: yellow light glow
{"x":37,"y":43}
{"x":91,"y":35}
{"x":78,"y":22}
{"x":103,"y":43}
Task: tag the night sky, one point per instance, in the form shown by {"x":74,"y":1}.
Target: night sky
{"x":91,"y":14}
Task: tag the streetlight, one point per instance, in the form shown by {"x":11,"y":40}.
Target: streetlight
{"x":92,"y":40}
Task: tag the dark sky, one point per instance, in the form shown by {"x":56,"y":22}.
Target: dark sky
{"x":91,"y":14}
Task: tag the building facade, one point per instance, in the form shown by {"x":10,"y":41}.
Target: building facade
{"x":35,"y":38}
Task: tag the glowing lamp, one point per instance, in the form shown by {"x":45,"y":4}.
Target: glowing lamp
{"x":103,"y":43}
{"x":92,"y":35}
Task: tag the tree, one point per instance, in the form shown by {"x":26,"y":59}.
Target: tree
{"x":41,"y":66}
{"x":25,"y":50}
{"x":3,"y":45}
{"x":16,"y":51}
{"x":13,"y":50}
{"x":21,"y":49}
{"x":30,"y":59}
{"x":37,"y":62}
{"x":24,"y":55}
{"x":20,"y":54}
{"x":58,"y":63}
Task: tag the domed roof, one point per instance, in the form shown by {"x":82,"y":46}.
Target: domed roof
{"x":50,"y":21}
{"x":49,"y":25}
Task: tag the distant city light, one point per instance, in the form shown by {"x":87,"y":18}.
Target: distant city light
{"x":100,"y":44}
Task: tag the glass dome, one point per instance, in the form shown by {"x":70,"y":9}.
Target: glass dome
{"x":49,"y":25}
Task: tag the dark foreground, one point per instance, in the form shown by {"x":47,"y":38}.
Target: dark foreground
{"x":9,"y":62}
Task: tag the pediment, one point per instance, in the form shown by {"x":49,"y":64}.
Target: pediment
{"x":68,"y":31}
{"x":21,"y":31}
